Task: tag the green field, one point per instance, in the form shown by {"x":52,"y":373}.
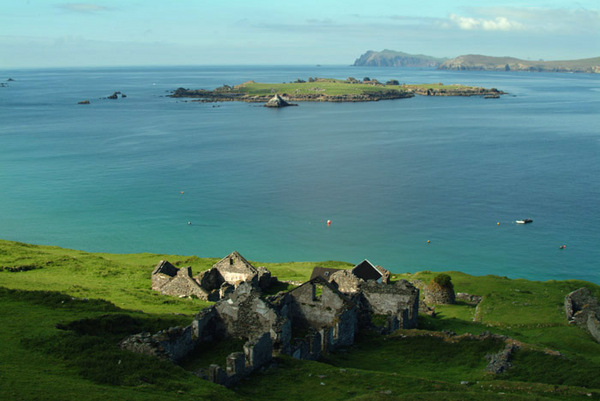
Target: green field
{"x":330,"y":87}
{"x":64,"y":311}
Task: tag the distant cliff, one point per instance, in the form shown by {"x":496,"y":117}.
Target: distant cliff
{"x":476,"y":62}
{"x":487,"y":63}
{"x":391,"y":58}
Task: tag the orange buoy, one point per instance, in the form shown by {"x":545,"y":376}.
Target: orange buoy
{"x":181,"y":192}
{"x":429,"y":242}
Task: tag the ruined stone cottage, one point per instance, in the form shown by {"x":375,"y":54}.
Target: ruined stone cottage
{"x":213,"y":284}
{"x":365,"y":270}
{"x":170,"y":280}
{"x":314,"y":318}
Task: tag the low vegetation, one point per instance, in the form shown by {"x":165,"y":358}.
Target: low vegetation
{"x":64,"y":314}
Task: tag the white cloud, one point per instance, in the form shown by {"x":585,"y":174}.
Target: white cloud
{"x":560,"y":20}
{"x":496,"y":24}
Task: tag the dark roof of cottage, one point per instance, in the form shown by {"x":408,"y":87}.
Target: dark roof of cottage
{"x":164,"y":267}
{"x":367,"y":271}
{"x":324,"y":272}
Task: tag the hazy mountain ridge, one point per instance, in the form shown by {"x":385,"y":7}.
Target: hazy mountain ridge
{"x":391,"y":58}
{"x":488,"y":63}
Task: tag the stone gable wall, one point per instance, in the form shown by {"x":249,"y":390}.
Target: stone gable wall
{"x":583,"y":310}
{"x":183,"y":285}
{"x":399,"y":301}
{"x":346,"y":281}
{"x":314,"y":311}
{"x":234,"y":268}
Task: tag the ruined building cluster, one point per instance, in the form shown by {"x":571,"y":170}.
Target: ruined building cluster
{"x":314,"y":318}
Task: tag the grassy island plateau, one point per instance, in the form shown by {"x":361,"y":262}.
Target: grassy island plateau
{"x":330,"y":90}
{"x":65,"y":311}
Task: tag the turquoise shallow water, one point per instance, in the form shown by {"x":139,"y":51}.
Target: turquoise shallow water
{"x":389,"y":175}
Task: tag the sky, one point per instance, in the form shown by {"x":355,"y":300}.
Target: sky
{"x":54,"y":33}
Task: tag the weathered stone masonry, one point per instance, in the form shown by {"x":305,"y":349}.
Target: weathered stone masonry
{"x":312,"y":319}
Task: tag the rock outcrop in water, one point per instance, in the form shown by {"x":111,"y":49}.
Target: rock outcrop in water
{"x":277,"y":102}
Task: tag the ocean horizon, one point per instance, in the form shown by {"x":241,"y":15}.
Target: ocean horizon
{"x":427,"y":183}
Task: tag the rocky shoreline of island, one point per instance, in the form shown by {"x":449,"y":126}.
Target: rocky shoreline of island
{"x":204,"y":96}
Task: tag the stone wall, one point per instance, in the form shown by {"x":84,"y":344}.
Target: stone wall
{"x":398,"y":301}
{"x":170,"y":280}
{"x":258,"y":352}
{"x":583,"y":310}
{"x":173,"y":344}
{"x":234,"y":268}
{"x":346,"y":281}
{"x":318,"y":304}
{"x":245,"y":313}
{"x":162,"y":274}
{"x":435,"y":294}
{"x":183,"y":285}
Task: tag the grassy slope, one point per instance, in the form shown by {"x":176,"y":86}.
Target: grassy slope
{"x":39,"y":361}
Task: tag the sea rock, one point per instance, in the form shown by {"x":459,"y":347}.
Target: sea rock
{"x":277,"y":101}
{"x":84,"y":102}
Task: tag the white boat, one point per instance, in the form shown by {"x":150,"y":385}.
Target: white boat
{"x":524,"y":221}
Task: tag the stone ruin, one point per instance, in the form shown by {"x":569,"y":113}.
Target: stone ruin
{"x":306,"y":322}
{"x":439,"y":293}
{"x":583,"y":310}
{"x":213,"y":284}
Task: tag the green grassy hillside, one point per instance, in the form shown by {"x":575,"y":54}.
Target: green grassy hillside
{"x":64,"y":311}
{"x":479,"y":62}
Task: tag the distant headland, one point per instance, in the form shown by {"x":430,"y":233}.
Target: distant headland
{"x":330,"y":90}
{"x":474,"y":62}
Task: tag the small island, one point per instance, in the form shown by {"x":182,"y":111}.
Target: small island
{"x":330,"y":90}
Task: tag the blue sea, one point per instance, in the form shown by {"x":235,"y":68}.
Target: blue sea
{"x":427,"y":183}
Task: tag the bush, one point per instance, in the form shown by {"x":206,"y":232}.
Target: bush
{"x":443,"y":280}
